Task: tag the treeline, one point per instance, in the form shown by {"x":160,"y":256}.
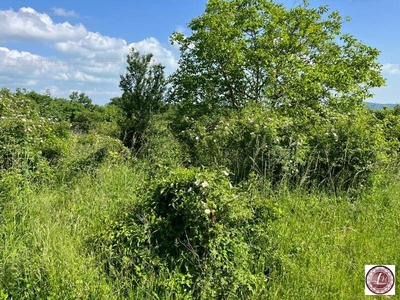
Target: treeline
{"x":298,"y":147}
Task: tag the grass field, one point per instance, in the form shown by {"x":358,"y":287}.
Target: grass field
{"x":322,"y":243}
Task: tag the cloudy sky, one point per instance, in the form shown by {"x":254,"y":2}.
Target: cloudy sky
{"x":81,"y":46}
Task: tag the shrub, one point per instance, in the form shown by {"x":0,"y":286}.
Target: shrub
{"x":343,"y":150}
{"x":322,"y":149}
{"x":29,"y":143}
{"x":254,"y":139}
{"x":160,"y":147}
{"x":89,"y":151}
{"x":389,"y":120}
{"x":193,"y":223}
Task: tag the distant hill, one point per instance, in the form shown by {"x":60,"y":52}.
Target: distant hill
{"x":378,"y":106}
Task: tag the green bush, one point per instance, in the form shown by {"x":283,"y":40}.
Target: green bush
{"x":344,"y":149}
{"x":160,"y":147}
{"x":30,"y":143}
{"x":88,"y":151}
{"x":195,"y":224}
{"x":389,"y":120}
{"x":35,"y":149}
{"x":320,"y":149}
{"x":244,"y":141}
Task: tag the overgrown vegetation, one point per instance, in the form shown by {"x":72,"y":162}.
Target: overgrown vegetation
{"x":248,"y":179}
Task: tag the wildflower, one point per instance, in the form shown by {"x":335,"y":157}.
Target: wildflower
{"x":189,"y":190}
{"x":197,"y":138}
{"x":207,"y":211}
{"x":197,"y":182}
{"x":225,"y":173}
{"x":204,"y":184}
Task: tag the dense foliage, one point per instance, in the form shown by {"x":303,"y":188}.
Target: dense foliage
{"x":244,"y":51}
{"x":143,"y":88}
{"x":196,"y":224}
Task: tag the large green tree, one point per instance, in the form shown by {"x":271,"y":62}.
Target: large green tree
{"x":258,"y":50}
{"x":143,"y":88}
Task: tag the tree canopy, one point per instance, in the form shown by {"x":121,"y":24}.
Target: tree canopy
{"x":143,"y":88}
{"x":260,"y":51}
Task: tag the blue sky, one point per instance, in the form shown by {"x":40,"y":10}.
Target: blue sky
{"x":81,"y":46}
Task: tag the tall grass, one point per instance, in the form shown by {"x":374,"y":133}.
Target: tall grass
{"x":325,"y":242}
{"x":322,"y":242}
{"x":43,"y":236}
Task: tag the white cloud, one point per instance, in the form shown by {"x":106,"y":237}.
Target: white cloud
{"x":391,"y":68}
{"x":81,"y":76}
{"x":161,"y":54}
{"x":32,"y":67}
{"x":29,"y":25}
{"x":54,"y":90}
{"x":93,"y":61}
{"x":104,"y":50}
{"x":23,"y":64}
{"x":93,"y":45}
{"x":64,"y":13}
{"x":31,"y":82}
{"x":75,"y":40}
{"x":62,"y":76}
{"x":181,"y":29}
